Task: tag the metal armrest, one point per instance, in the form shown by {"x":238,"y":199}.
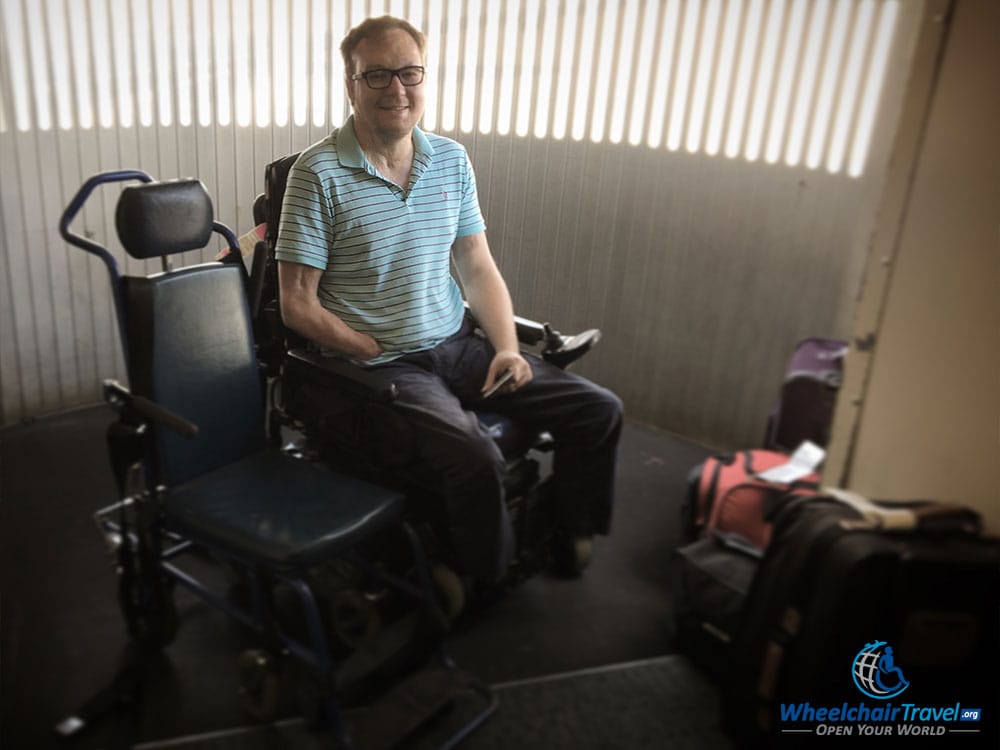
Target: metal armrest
{"x":122,"y":399}
{"x":343,"y":374}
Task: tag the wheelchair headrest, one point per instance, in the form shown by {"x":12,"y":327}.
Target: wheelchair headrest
{"x":163,"y":218}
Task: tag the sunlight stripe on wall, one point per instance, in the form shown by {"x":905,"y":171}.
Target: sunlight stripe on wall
{"x":796,"y":82}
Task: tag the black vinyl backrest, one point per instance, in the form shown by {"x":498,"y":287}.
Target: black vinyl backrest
{"x":189,"y":343}
{"x":191,"y":351}
{"x":163,"y":218}
{"x":275,"y":180}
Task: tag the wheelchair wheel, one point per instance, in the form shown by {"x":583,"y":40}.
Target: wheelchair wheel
{"x":571,"y":555}
{"x":583,"y":552}
{"x":259,"y":684}
{"x":355,"y":618}
{"x":450,"y":590}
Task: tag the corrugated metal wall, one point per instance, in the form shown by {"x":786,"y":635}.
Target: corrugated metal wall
{"x":702,"y":274}
{"x":590,"y":124}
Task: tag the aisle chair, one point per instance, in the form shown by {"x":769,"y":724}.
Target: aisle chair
{"x":367,"y":437}
{"x":198,"y":479}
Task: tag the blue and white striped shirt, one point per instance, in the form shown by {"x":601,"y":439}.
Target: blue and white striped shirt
{"x":385,"y":251}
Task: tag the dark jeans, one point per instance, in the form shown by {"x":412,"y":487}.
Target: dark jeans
{"x":439,"y":387}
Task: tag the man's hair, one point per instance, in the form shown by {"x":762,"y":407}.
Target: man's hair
{"x":373,"y":28}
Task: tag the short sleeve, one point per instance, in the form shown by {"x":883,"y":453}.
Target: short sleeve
{"x":305,"y":234}
{"x":470,"y":219}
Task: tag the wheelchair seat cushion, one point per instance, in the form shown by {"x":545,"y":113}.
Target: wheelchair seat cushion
{"x":279,"y":510}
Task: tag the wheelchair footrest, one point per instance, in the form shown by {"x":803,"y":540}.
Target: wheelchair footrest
{"x":393,"y":650}
{"x":436,"y":700}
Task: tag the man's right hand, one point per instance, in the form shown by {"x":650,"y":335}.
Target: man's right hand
{"x":302,"y":312}
{"x":373,"y":349}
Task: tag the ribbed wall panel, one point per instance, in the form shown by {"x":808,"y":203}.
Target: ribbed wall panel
{"x":590,"y":123}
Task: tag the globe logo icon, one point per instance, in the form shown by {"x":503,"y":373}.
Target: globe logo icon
{"x":875,"y":672}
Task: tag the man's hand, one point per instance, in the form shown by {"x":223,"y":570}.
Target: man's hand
{"x":489,"y":301}
{"x":508,"y":360}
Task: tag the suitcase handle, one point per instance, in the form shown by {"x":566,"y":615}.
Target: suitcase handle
{"x":927,"y":516}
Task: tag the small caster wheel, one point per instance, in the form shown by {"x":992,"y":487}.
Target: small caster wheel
{"x":450,"y":590}
{"x":571,"y":555}
{"x":583,"y":552}
{"x":355,"y":618}
{"x":259,"y":684}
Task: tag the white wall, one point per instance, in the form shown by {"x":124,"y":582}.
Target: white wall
{"x":922,"y":418}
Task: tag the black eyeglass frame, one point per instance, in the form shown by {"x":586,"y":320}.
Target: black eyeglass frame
{"x":397,"y":73}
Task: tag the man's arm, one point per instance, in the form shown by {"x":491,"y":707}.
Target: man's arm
{"x":489,"y":300}
{"x":302,"y":312}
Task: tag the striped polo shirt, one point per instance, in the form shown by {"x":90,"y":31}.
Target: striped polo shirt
{"x":385,"y":251}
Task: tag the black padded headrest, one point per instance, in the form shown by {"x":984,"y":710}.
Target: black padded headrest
{"x":163,"y":218}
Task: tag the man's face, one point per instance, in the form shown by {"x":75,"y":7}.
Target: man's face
{"x":391,"y":113}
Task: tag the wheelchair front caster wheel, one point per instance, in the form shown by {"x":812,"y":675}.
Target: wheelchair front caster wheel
{"x":450,"y":590}
{"x":259,"y":684}
{"x":583,"y":552}
{"x":356,"y":620}
{"x":571,"y":555}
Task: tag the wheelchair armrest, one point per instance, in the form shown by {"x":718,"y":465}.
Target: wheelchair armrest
{"x":121,"y":398}
{"x":529,"y":332}
{"x":558,"y":349}
{"x":343,"y":374}
{"x":564,"y":350}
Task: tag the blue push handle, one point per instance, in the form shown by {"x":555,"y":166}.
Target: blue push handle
{"x":90,"y":246}
{"x":76,"y":204}
{"x":228,"y":235}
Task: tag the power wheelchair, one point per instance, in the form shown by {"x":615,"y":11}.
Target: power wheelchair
{"x":206,"y":470}
{"x":365,"y":437}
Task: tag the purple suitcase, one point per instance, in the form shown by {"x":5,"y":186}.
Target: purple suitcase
{"x":805,"y":406}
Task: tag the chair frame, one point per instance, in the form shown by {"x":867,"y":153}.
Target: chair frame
{"x":147,"y":544}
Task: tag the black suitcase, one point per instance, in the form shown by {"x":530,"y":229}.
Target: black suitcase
{"x":711,"y":578}
{"x":857,"y":631}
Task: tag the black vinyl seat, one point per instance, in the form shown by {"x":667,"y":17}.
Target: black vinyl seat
{"x":276,"y":509}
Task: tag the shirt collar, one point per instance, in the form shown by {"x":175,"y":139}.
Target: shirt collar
{"x":350,"y":152}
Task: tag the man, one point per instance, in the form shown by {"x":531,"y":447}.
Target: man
{"x":372,"y":216}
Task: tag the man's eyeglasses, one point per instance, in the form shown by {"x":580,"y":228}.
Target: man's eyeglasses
{"x":411,"y":75}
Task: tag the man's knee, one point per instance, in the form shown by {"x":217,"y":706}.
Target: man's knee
{"x":477,"y":460}
{"x":613,"y":406}
{"x":604,"y":412}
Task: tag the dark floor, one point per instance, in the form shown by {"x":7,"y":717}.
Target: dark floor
{"x":62,"y":631}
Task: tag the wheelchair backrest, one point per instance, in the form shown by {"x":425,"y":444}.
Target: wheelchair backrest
{"x":273,"y":339}
{"x":275,"y":181}
{"x":189,"y":345}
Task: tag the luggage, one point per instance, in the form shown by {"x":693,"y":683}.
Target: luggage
{"x":808,"y":394}
{"x":710,"y":580}
{"x":855,"y":613}
{"x":723,"y":494}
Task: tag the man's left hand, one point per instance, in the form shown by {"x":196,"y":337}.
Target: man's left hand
{"x":508,"y":360}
